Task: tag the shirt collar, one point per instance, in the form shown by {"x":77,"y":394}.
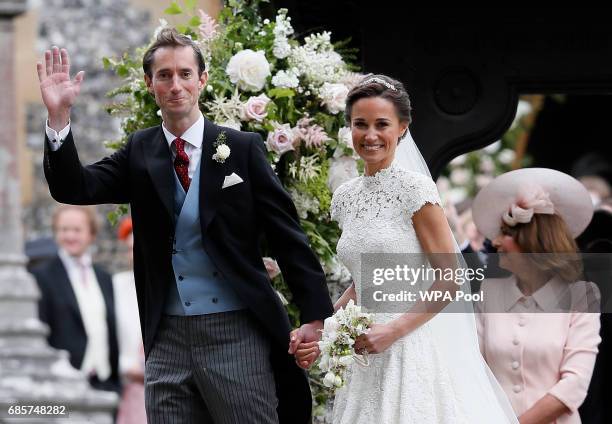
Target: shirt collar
{"x":551,"y":297}
{"x":74,"y":262}
{"x":194,"y":134}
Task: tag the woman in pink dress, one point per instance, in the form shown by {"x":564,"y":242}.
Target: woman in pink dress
{"x":539,"y":328}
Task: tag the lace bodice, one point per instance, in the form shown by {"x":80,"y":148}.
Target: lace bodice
{"x":375,"y":214}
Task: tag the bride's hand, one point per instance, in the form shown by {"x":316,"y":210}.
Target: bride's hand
{"x":377,"y":340}
{"x":306,"y":354}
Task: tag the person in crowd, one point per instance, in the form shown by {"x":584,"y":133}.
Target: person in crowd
{"x":538,"y":328}
{"x":131,"y":349}
{"x":77,"y":299}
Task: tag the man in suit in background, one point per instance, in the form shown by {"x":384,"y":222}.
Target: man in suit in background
{"x":216,"y":334}
{"x":77,"y":299}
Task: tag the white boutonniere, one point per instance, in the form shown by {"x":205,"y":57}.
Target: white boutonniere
{"x":222,"y":150}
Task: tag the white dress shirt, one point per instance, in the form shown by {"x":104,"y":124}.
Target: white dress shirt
{"x":93,"y":313}
{"x":193,"y":136}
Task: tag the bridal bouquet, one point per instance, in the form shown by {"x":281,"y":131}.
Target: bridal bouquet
{"x":336,"y":345}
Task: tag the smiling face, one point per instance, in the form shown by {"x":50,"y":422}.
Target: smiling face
{"x":376,"y":129}
{"x":175,"y":83}
{"x":73,"y":231}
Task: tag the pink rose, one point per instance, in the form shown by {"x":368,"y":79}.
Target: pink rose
{"x":281,"y":139}
{"x":255,"y":108}
{"x":271,"y":267}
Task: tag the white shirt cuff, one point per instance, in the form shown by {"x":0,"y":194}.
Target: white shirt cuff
{"x":56,"y":138}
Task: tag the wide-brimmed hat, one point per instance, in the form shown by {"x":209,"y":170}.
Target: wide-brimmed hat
{"x":515,"y":196}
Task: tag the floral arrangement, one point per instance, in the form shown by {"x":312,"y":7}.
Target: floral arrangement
{"x":336,"y":345}
{"x":263,"y":79}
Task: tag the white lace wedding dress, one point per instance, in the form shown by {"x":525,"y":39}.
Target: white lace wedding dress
{"x":413,"y":380}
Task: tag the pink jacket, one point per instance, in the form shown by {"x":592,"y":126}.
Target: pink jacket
{"x":532,"y":348}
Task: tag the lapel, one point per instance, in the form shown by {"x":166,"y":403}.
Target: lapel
{"x":64,"y":289}
{"x":159,"y":164}
{"x":212,"y":175}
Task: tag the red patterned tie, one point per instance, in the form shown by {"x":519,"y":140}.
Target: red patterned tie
{"x":181,"y":163}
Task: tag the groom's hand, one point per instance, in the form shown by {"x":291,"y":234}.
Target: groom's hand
{"x":58,"y":91}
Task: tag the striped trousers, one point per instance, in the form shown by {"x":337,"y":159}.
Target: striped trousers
{"x":210,"y":369}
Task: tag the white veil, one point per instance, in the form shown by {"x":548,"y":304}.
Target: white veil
{"x":454,"y":329}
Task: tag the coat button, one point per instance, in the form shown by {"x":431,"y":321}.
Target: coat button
{"x":215,"y":300}
{"x":515,"y":365}
{"x":521,"y":322}
{"x":181,"y":278}
{"x":515,"y":342}
{"x":517,"y":389}
{"x":187,"y":303}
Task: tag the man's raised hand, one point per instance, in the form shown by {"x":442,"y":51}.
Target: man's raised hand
{"x":57,"y":89}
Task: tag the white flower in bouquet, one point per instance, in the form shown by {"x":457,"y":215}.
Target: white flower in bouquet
{"x":443,"y":184}
{"x":506,"y":156}
{"x":317,"y":61}
{"x":249,"y":69}
{"x":255,"y":108}
{"x":333,"y":97}
{"x":337,"y":341}
{"x":457,"y":195}
{"x":304,"y":203}
{"x":483,"y":180}
{"x":162,"y":24}
{"x":286,"y":79}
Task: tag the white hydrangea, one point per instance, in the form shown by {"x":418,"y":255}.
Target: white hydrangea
{"x":286,"y":79}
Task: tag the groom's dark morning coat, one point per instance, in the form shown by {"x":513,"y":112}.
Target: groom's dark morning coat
{"x":233,"y":221}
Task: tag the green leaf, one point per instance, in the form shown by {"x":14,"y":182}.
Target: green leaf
{"x":174,"y":9}
{"x":195,"y":21}
{"x":123,"y":71}
{"x":190,"y":4}
{"x":183,"y":29}
{"x":281,"y":92}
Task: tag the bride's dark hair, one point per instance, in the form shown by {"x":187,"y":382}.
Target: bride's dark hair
{"x":384,"y":87}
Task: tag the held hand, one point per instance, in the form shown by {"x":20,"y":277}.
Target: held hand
{"x":57,"y":90}
{"x":307,"y":333}
{"x":306,"y":354}
{"x":377,"y":340}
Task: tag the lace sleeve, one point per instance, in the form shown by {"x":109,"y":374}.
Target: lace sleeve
{"x":418,"y":190}
{"x":338,"y":204}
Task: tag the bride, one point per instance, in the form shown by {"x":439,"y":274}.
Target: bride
{"x":425,"y":366}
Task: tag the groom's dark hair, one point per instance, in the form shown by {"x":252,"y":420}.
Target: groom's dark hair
{"x":384,"y":87}
{"x":170,"y":37}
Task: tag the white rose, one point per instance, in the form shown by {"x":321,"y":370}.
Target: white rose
{"x":346,"y":360}
{"x":248,"y":69}
{"x":329,"y":380}
{"x":333,"y":96}
{"x":338,"y":382}
{"x":487,"y":165}
{"x":330,"y":324}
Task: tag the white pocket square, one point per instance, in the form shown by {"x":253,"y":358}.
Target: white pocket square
{"x":231,"y":180}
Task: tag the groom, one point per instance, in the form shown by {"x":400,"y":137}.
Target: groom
{"x":215,"y":332}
